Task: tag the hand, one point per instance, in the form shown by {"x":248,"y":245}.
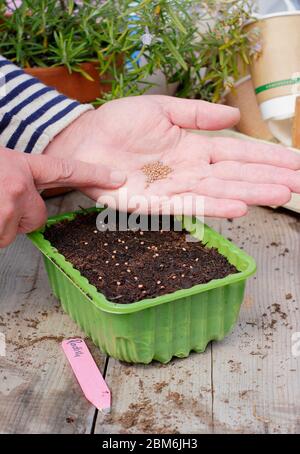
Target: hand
{"x":21,"y":207}
{"x":230,"y":174}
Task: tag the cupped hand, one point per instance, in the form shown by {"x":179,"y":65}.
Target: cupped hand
{"x":21,"y":175}
{"x":228,"y":174}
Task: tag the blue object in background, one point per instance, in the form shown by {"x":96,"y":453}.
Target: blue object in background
{"x":277,"y":6}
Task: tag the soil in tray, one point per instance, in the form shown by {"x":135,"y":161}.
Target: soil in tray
{"x":128,"y":266}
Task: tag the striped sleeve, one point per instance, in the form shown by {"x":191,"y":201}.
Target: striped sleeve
{"x":32,"y":114}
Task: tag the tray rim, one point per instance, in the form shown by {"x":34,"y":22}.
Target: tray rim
{"x":100,"y":301}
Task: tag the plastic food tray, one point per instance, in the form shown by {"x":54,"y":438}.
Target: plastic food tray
{"x":152,"y":329}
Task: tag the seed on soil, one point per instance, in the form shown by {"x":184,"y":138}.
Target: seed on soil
{"x":154,"y":276}
{"x":95,"y":231}
{"x":156,"y":171}
{"x":86,"y":242}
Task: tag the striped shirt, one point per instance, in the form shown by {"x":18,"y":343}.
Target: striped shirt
{"x":31,"y":114}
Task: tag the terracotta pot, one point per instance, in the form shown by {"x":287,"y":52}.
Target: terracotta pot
{"x":73,"y":85}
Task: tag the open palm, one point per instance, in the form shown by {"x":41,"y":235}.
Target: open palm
{"x":227,"y":173}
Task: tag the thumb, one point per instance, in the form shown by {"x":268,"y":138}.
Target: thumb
{"x":196,"y":114}
{"x":49,"y":172}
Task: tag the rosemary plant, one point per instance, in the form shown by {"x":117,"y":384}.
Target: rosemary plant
{"x":195,"y":43}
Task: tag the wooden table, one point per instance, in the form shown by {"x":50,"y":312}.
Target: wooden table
{"x":250,"y":382}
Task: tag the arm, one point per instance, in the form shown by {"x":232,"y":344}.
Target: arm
{"x":31,"y":116}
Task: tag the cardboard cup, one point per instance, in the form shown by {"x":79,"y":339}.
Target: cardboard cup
{"x":276,"y":72}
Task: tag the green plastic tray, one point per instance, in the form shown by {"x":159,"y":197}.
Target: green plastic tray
{"x":152,"y":329}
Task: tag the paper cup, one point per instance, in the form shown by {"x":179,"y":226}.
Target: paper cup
{"x":276,"y":72}
{"x":243,"y":97}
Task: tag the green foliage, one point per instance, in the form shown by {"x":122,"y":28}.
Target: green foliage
{"x":182,"y":44}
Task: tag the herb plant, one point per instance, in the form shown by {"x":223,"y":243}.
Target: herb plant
{"x":195,"y":43}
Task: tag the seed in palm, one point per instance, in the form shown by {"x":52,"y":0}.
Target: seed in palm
{"x":156,"y":171}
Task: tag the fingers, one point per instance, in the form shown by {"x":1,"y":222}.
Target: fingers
{"x":195,"y":205}
{"x":15,"y":219}
{"x":34,"y":215}
{"x":189,"y":204}
{"x":257,"y":173}
{"x":49,"y":172}
{"x":9,"y":221}
{"x":195,"y":114}
{"x":228,"y":149}
{"x":251,"y":194}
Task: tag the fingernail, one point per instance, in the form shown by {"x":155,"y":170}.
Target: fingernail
{"x":117,"y":177}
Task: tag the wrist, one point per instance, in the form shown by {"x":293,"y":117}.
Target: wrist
{"x":83,"y":140}
{"x":66,"y":143}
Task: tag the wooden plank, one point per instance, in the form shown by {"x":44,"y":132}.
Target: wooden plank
{"x":255,"y":376}
{"x":156,"y":398}
{"x":153,"y":399}
{"x":39,"y":393}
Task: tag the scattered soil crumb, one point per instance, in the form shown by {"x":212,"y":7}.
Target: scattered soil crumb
{"x":141,"y":417}
{"x":69,"y":419}
{"x":243,"y":394}
{"x":288,"y":296}
{"x":40,"y":339}
{"x":158,"y":387}
{"x":32,"y":323}
{"x":141,"y":384}
{"x":235,"y":366}
{"x":175,"y":397}
{"x":277,"y":310}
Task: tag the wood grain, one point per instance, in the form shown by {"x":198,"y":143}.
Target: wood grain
{"x":39,"y":393}
{"x":256,"y":378}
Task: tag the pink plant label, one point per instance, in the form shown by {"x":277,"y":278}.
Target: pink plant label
{"x":87,"y":373}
